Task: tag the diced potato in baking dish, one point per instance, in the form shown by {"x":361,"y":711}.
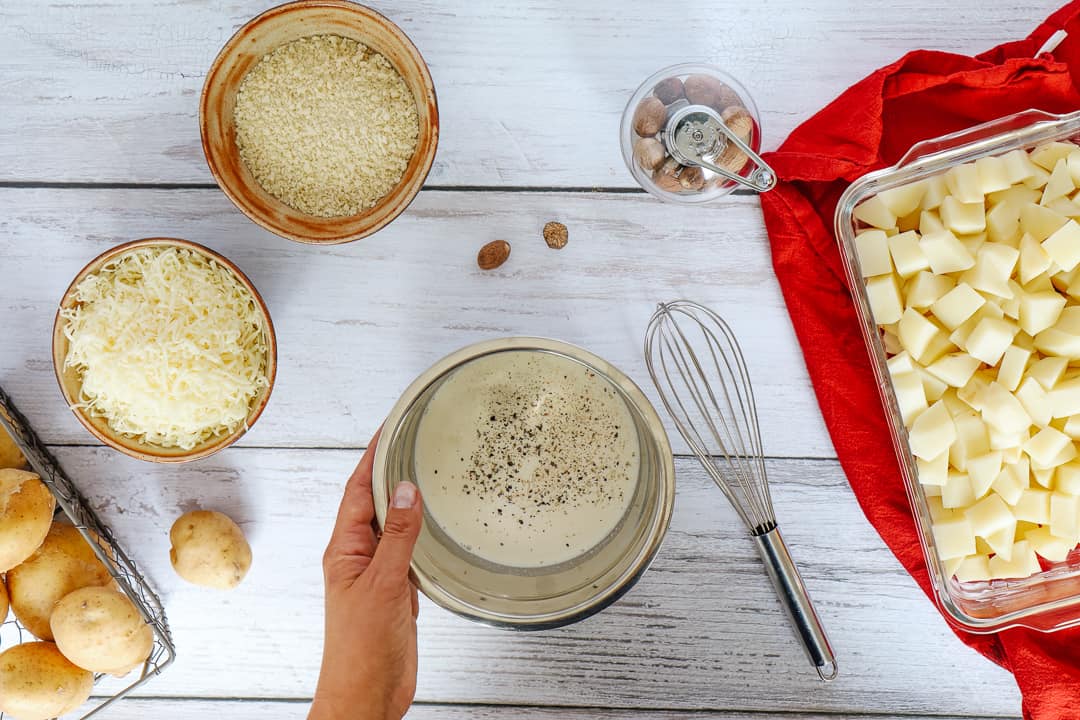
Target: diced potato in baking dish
{"x":973,"y":278}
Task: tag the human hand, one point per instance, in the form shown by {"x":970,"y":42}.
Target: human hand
{"x":369,"y":653}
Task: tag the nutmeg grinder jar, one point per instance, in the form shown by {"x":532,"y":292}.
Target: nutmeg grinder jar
{"x":691,"y":134}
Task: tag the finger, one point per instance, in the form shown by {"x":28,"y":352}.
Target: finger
{"x":353,"y":539}
{"x":403,"y":521}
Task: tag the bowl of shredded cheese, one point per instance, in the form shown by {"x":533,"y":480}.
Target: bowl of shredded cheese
{"x":319,"y":120}
{"x":164,"y":350}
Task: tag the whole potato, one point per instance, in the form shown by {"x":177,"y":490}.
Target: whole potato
{"x":4,"y":604}
{"x":63,"y":564}
{"x":209,"y":549}
{"x":37,"y":682}
{"x":26,"y":512}
{"x":99,"y":629}
{"x":10,"y":454}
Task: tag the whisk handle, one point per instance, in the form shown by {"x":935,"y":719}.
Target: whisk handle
{"x":793,"y":596}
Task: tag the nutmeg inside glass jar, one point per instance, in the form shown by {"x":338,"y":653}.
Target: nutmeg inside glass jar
{"x":671,"y":96}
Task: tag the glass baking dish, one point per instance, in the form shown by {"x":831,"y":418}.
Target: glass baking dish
{"x":1049,"y":600}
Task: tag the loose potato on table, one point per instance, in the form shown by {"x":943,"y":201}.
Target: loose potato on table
{"x":99,"y":629}
{"x":26,"y":511}
{"x":209,"y":549}
{"x":63,"y":564}
{"x":10,"y":455}
{"x":37,"y":682}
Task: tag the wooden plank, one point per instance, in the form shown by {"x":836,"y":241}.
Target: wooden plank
{"x":701,"y":631}
{"x":269,"y":710}
{"x":357,"y":323}
{"x":531,"y":93}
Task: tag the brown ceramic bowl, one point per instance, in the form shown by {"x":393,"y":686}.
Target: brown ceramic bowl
{"x":274,"y":28}
{"x":70,"y":384}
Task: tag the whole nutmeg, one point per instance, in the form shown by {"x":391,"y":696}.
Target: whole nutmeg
{"x":649,"y":117}
{"x":692,"y":178}
{"x":732,"y":159}
{"x":707,"y":90}
{"x":669,"y":90}
{"x":739,"y":121}
{"x":556,"y":235}
{"x":649,"y":153}
{"x":493,"y":254}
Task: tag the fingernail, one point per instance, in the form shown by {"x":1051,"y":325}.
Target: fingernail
{"x":404,"y":495}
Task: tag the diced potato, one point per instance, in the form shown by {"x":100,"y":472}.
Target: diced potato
{"x":1047,"y":156}
{"x":1065,"y":398}
{"x":908,"y":257}
{"x":1033,"y":506}
{"x":1067,"y":478}
{"x":873,"y":211}
{"x":939,"y":512}
{"x":993,"y":268}
{"x":1064,"y":206}
{"x":972,"y":243}
{"x":1021,"y":563}
{"x":957,"y":305}
{"x":905,"y":199}
{"x":916,"y":332}
{"x":1034,"y":261}
{"x":1001,"y":542}
{"x":872,"y":249}
{"x":1064,"y":516}
{"x":1013,"y":364}
{"x":973,"y":568}
{"x":972,"y":394}
{"x":1063,"y":339}
{"x":1059,"y":185}
{"x":1040,"y":222}
{"x":957,"y":491}
{"x":960,"y":335}
{"x":1035,"y":401}
{"x":934,"y":472}
{"x":1039,"y":311}
{"x":989,"y":515}
{"x":983,"y":471}
{"x":989,"y":340}
{"x":963,"y":218}
{"x":910,"y":396}
{"x":932,"y":432}
{"x":993,"y":174}
{"x":1021,"y":470}
{"x":972,"y":440}
{"x":1046,"y":445}
{"x":1063,"y":246}
{"x":945,"y":252}
{"x":963,"y":183}
{"x":1017,"y":195}
{"x":954,"y":369}
{"x":1072,"y":427}
{"x":1067,"y":453}
{"x":1038,"y":179}
{"x":933,"y":387}
{"x":1047,"y":545}
{"x":1002,"y":411}
{"x":1018,"y":166}
{"x":1003,"y":223}
{"x":1072,"y":160}
{"x":883,"y":294}
{"x":935,"y":191}
{"x":925,"y":289}
{"x":900,"y":363}
{"x":954,"y":538}
{"x":1007,"y":487}
{"x":930,"y":222}
{"x":1043,"y":476}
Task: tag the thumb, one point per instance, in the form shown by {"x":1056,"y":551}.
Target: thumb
{"x":403,"y":522}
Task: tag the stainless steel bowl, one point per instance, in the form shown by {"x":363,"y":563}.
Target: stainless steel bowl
{"x":531,"y":598}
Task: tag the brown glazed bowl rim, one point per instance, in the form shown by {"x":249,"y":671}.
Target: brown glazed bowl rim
{"x":135,"y":448}
{"x":412,"y":183}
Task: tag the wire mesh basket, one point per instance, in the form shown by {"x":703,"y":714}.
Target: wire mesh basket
{"x":73,"y":505}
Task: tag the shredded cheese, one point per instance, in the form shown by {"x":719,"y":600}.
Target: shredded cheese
{"x":169,"y":345}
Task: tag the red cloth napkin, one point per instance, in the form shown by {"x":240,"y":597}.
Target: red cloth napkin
{"x":871,"y":125}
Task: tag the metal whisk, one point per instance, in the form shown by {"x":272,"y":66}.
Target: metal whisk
{"x":699,"y":371}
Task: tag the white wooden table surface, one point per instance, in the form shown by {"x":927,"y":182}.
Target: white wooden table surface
{"x":99,"y":144}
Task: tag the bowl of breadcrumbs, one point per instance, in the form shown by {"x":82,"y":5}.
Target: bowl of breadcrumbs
{"x":319,"y":120}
